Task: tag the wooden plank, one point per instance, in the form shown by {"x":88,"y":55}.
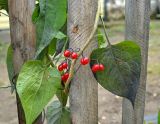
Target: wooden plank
{"x":137,"y":29}
{"x":83,"y":91}
{"x":22,"y":39}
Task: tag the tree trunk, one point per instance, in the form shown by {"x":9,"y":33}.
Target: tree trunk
{"x":22,"y":40}
{"x":137,"y":29}
{"x":83,"y":91}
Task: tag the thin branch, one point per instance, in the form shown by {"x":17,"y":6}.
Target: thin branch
{"x":104,"y":28}
{"x":71,"y":72}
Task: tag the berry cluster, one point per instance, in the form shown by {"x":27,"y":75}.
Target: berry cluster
{"x":64,"y":67}
{"x":97,"y":67}
{"x":74,"y":55}
{"x":70,"y":54}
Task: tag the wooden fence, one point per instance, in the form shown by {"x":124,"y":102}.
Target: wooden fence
{"x":84,"y":92}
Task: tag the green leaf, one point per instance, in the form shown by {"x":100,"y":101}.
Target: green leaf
{"x":62,"y":96}
{"x":60,"y":39}
{"x":101,"y":40}
{"x":42,"y":4}
{"x":57,"y":114}
{"x":39,"y":29}
{"x":60,"y":35}
{"x":122,"y":68}
{"x":61,"y":46}
{"x":10,"y":67}
{"x":35,"y":14}
{"x":52,"y":47}
{"x":36,"y":85}
{"x":50,"y":23}
{"x":4,"y":5}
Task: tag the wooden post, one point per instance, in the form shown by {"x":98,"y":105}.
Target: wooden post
{"x":22,"y":39}
{"x":137,"y":29}
{"x":83,"y":91}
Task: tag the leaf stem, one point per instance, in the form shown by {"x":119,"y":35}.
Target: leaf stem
{"x":104,"y":28}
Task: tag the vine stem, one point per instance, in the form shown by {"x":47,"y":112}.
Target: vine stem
{"x":104,"y":28}
{"x":71,"y":72}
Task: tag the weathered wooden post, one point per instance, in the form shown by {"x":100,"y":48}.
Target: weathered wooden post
{"x":83,"y":92}
{"x":22,"y":39}
{"x":137,"y":29}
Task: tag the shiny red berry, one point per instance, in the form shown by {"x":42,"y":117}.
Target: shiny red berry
{"x":101,"y":67}
{"x":74,"y":55}
{"x":95,"y":68}
{"x":63,"y":78}
{"x":85,"y":61}
{"x":65,"y":65}
{"x":67,"y":53}
{"x":66,"y":75}
{"x":60,"y":68}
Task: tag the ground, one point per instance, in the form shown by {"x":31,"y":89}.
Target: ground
{"x":109,"y":104}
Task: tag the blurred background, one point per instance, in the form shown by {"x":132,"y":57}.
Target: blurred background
{"x":113,"y":12}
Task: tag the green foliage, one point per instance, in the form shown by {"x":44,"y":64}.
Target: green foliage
{"x":57,"y":114}
{"x":35,"y":14}
{"x":4,"y":5}
{"x":48,"y":25}
{"x":100,"y":39}
{"x":62,"y":96}
{"x":36,"y":85}
{"x":10,"y":67}
{"x":122,"y":68}
{"x":52,"y":47}
{"x":37,"y":82}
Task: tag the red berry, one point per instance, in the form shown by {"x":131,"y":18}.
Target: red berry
{"x":101,"y":67}
{"x":65,"y":65}
{"x":66,"y":75}
{"x":74,"y":55}
{"x":67,"y":53}
{"x":95,"y":68}
{"x":60,"y":68}
{"x":63,"y":78}
{"x":84,"y":61}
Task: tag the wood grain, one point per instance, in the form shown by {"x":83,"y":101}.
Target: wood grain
{"x":22,"y":39}
{"x":137,"y":29}
{"x":84,"y":90}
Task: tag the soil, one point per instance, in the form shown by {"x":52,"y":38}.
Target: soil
{"x":109,"y":105}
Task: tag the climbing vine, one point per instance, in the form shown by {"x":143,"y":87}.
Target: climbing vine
{"x":116,"y":67}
